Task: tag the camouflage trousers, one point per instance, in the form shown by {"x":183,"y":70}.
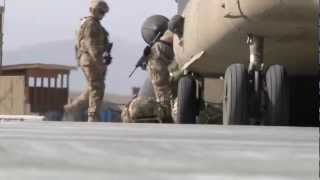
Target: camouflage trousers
{"x":165,"y":99}
{"x":160,"y":79}
{"x":92,"y":96}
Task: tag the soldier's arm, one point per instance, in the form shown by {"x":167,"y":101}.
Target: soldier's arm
{"x":156,"y":51}
{"x":92,"y":43}
{"x":163,"y":52}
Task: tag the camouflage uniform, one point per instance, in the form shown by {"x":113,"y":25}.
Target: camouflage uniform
{"x":160,"y":58}
{"x":143,"y":109}
{"x":92,"y":44}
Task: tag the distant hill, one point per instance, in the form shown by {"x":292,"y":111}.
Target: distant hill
{"x":125,"y":55}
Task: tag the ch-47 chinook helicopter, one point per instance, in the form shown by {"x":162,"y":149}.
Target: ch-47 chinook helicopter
{"x":265,"y":51}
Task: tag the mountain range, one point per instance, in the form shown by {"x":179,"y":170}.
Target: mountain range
{"x":125,"y":54}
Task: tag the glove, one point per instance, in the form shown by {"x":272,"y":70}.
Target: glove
{"x":107,"y":59}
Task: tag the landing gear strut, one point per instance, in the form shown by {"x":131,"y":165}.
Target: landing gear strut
{"x":269,"y":88}
{"x":260,"y":92}
{"x":256,"y":75}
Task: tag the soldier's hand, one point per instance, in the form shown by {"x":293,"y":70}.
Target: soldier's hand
{"x":107,"y":59}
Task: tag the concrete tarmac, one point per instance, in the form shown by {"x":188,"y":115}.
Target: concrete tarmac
{"x":96,"y":151}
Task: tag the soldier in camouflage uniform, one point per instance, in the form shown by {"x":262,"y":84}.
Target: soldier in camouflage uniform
{"x":159,"y":59}
{"x":158,"y":109}
{"x":93,"y":58}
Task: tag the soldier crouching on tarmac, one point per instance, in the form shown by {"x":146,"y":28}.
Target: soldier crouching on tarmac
{"x":157,"y":58}
{"x":93,"y":54}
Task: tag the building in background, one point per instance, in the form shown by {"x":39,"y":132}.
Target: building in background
{"x":34,"y":89}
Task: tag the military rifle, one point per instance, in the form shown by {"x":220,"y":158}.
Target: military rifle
{"x":143,"y":61}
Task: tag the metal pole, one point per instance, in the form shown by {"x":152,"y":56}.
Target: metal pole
{"x":256,"y":46}
{"x":1,"y":33}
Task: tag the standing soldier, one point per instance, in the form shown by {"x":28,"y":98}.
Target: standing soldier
{"x":93,"y":55}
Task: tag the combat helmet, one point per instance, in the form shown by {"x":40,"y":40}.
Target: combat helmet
{"x":154,"y":27}
{"x":99,"y":4}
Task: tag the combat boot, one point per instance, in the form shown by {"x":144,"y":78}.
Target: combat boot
{"x":93,"y":118}
{"x":69,"y":108}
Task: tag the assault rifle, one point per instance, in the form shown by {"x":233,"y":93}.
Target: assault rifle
{"x":143,"y":61}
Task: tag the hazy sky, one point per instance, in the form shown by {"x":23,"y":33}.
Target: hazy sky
{"x":30,"y":22}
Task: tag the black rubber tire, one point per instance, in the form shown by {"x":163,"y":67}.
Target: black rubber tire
{"x":187,"y":101}
{"x":235,"y":100}
{"x":278,"y":96}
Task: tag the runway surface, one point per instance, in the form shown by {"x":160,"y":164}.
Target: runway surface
{"x":82,"y":151}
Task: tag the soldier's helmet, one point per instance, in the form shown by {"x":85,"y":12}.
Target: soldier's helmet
{"x":176,"y":24}
{"x":100,"y":5}
{"x":154,"y":27}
